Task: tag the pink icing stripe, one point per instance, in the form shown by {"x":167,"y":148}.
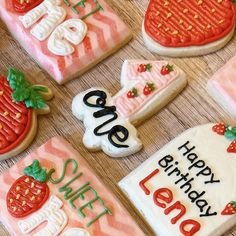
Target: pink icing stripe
{"x":128,"y":106}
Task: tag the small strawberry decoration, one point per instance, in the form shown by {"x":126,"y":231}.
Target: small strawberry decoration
{"x":149,"y":88}
{"x":29,"y":192}
{"x":144,"y":67}
{"x":229,"y":132}
{"x":219,"y":128}
{"x":132,"y":93}
{"x":230,"y":209}
{"x":232,"y":147}
{"x":165,"y":70}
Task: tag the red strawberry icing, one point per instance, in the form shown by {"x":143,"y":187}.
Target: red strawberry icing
{"x":15,"y":119}
{"x":178,"y":23}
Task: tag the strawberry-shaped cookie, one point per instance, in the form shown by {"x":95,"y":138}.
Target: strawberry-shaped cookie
{"x":20,"y":103}
{"x":29,"y":192}
{"x":23,"y":6}
{"x":188,"y":27}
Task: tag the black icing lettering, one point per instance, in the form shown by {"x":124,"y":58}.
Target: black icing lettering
{"x":212,"y":180}
{"x":194,"y":195}
{"x":208,"y":213}
{"x":205,"y":171}
{"x":192,"y":157}
{"x":188,"y":185}
{"x":101,"y":113}
{"x":183,"y":177}
{"x":164,"y":162}
{"x":175,"y":170}
{"x":117,"y":131}
{"x":197,"y":164}
{"x":101,"y":100}
{"x":201,"y":203}
{"x":187,"y":149}
{"x":168,"y":167}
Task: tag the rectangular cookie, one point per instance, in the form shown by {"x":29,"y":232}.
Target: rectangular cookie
{"x":187,"y":187}
{"x":222,"y":87}
{"x":72,"y":200}
{"x":63,"y":45}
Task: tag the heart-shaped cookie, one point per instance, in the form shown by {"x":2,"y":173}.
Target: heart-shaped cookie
{"x":198,"y":26}
{"x":23,"y":6}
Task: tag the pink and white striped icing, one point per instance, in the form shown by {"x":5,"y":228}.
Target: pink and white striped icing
{"x":132,"y":78}
{"x":105,"y":32}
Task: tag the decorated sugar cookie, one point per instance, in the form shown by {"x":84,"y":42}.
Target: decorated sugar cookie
{"x":179,"y":28}
{"x":222,"y":87}
{"x":187,"y":185}
{"x":20,"y":103}
{"x":146,"y":87}
{"x":66,"y":37}
{"x":54,"y":192}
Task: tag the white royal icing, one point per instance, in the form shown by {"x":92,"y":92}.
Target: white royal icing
{"x":72,"y":30}
{"x":90,"y":140}
{"x":76,"y":232}
{"x":203,"y":154}
{"x":51,"y":212}
{"x":130,"y":111}
{"x":54,"y":16}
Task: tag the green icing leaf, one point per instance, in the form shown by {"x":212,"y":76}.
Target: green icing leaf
{"x":24,"y":92}
{"x":21,"y":94}
{"x":36,"y":171}
{"x":230,"y":133}
{"x":35,"y":100}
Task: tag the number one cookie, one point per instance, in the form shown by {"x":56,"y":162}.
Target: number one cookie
{"x":147,"y":86}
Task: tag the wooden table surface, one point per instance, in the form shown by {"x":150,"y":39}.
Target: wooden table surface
{"x":192,"y":107}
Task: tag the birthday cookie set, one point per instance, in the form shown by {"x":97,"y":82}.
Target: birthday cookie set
{"x":179,"y":28}
{"x":20,"y":104}
{"x":186,"y":188}
{"x":65,"y":37}
{"x":222,"y":86}
{"x":147,"y":86}
{"x":54,"y":192}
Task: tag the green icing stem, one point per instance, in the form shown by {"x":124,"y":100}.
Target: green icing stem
{"x":35,"y":171}
{"x":57,"y":181}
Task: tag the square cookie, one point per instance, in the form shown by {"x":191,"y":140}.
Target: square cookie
{"x":187,"y":187}
{"x":66,"y":37}
{"x":70,"y":200}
